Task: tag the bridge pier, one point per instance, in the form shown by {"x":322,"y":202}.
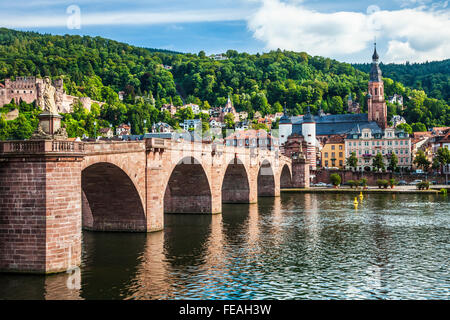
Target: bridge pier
{"x":40,"y":206}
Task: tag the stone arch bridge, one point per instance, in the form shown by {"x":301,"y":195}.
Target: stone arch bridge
{"x":50,"y":190}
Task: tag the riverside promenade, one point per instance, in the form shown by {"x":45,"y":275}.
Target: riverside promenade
{"x":371,"y":189}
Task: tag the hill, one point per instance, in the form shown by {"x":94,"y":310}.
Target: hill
{"x":99,"y":68}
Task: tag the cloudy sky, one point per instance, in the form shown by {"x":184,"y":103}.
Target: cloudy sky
{"x":406,"y":30}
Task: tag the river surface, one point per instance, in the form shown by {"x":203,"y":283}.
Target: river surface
{"x":297,"y":246}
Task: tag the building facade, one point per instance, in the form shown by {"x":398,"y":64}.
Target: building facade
{"x":367,"y":143}
{"x":252,"y":139}
{"x":332,"y":154}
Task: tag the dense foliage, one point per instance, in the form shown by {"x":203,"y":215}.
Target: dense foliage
{"x":100,"y":68}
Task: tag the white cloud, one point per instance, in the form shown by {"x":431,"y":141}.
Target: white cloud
{"x":412,"y":34}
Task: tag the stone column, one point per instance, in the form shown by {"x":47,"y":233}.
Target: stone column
{"x":155,"y":181}
{"x":300,"y":173}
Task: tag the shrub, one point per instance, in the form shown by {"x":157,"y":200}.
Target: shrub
{"x":363,"y":182}
{"x":382,"y":183}
{"x":392,"y":182}
{"x":443,"y":191}
{"x":352,"y":184}
{"x":424,"y":185}
{"x":335,"y":179}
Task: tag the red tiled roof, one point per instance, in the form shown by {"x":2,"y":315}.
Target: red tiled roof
{"x":422,"y":134}
{"x":335,"y":139}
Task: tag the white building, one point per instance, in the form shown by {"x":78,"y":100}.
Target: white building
{"x":195,"y":108}
{"x":192,"y":124}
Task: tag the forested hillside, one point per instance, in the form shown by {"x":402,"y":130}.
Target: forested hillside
{"x":99,"y":68}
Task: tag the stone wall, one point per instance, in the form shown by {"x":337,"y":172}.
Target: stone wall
{"x":372,"y":177}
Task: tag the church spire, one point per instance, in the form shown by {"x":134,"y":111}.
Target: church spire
{"x":375,"y":56}
{"x":375,"y":71}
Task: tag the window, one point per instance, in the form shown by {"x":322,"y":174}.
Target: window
{"x":333,"y":155}
{"x":332,"y":147}
{"x":340,"y":147}
{"x":326,"y":163}
{"x":341,"y":163}
{"x":326,"y":154}
{"x":340,"y":155}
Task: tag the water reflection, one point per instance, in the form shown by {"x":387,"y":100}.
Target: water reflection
{"x":297,"y":246}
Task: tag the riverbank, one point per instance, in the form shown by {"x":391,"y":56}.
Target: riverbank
{"x":369,"y":190}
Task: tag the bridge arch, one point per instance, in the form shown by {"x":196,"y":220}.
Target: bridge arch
{"x":110,"y":200}
{"x":286,"y":177}
{"x":235,"y":184}
{"x":266,"y":180}
{"x":188,"y":189}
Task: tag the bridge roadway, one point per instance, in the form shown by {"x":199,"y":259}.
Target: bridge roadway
{"x":50,"y":190}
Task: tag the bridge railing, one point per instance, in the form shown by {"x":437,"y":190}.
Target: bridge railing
{"x":40,"y":147}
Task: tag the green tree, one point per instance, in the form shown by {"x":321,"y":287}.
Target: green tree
{"x":421,"y":160}
{"x":352,"y":161}
{"x":418,"y":127}
{"x":229,"y":121}
{"x":393,"y":162}
{"x":443,"y":156}
{"x":335,"y":179}
{"x":405,"y":127}
{"x":378,"y":162}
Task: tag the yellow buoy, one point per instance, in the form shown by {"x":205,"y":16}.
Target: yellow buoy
{"x":361,"y":196}
{"x":355,"y":203}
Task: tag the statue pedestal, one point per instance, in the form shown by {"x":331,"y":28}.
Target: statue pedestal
{"x":49,"y":127}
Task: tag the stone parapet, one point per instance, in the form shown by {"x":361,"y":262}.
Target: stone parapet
{"x":41,"y":148}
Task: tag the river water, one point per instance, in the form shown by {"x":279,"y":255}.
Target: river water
{"x":297,"y":246}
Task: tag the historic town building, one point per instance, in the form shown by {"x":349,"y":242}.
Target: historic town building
{"x":367,"y":143}
{"x":252,"y":139}
{"x":362,"y":129}
{"x":28,"y":89}
{"x":332,"y":154}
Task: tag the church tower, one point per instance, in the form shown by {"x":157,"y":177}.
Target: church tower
{"x":376,"y":104}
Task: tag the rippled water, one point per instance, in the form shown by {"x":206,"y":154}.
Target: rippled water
{"x":298,"y":246}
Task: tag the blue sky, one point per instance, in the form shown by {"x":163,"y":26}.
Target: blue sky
{"x":406,"y":30}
